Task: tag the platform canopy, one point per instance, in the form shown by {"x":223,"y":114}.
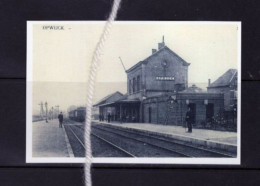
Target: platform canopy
{"x":125,"y":101}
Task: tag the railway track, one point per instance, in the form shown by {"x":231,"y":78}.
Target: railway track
{"x":164,"y":151}
{"x":161,"y":148}
{"x":128,"y":154}
{"x":138,"y":148}
{"x":76,"y":142}
{"x":117,"y":151}
{"x":110,"y":142}
{"x":79,"y":140}
{"x":181,"y":148}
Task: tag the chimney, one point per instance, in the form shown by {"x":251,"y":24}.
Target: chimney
{"x":163,"y":40}
{"x":154,"y":50}
{"x":208,"y":82}
{"x":160,"y":45}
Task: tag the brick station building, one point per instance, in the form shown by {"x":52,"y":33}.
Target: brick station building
{"x":158,"y":92}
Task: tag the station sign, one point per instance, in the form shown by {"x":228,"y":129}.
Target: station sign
{"x":164,"y":78}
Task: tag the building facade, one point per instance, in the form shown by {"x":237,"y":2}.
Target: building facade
{"x":171,"y":110}
{"x":162,"y":72}
{"x":158,"y":92}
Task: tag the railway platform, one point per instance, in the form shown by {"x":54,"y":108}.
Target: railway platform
{"x":209,"y":138}
{"x":49,"y":140}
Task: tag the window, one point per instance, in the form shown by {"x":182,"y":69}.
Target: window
{"x":138,"y":83}
{"x":130,"y":86}
{"x":134,"y":85}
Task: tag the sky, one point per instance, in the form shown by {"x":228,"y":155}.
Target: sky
{"x":61,"y":58}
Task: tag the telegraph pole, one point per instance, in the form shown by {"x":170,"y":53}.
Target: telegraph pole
{"x":52,"y":113}
{"x":41,"y":110}
{"x":46,"y":107}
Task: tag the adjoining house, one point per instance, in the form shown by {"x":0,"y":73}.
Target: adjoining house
{"x":158,"y":92}
{"x":227,"y":85}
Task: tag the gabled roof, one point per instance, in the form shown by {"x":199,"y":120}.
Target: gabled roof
{"x":224,"y":80}
{"x":145,"y":61}
{"x":122,"y":99}
{"x":104,"y":100}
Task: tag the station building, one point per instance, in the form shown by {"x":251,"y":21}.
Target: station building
{"x":158,"y":92}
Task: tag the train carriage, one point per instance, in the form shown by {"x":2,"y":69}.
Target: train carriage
{"x":78,"y":114}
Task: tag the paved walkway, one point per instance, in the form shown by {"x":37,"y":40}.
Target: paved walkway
{"x":203,"y":134}
{"x":49,"y":140}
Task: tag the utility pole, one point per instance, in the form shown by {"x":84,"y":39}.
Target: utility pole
{"x":41,"y":110}
{"x":46,"y":107}
{"x":52,"y":112}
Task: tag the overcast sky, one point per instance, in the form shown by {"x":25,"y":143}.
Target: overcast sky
{"x":61,"y":58}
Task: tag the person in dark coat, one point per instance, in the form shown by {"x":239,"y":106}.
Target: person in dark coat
{"x":109,"y":118}
{"x":100,"y":117}
{"x":189,"y":120}
{"x":60,"y":116}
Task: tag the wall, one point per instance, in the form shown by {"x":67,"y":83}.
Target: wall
{"x":175,"y":68}
{"x":177,"y":110}
{"x":153,"y":113}
{"x":228,"y":95}
{"x":152,"y":68}
{"x":130,"y":76}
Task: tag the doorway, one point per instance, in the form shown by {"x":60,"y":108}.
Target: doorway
{"x":193,"y":112}
{"x":209,"y":112}
{"x":150,"y":114}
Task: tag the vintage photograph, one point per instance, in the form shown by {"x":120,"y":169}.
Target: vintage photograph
{"x":166,"y":92}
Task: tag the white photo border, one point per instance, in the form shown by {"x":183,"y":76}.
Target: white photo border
{"x":167,"y":161}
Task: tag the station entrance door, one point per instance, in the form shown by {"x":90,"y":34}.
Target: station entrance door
{"x":209,"y":112}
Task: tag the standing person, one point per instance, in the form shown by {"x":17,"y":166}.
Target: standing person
{"x":60,"y":119}
{"x":189,"y":120}
{"x":109,"y":117}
